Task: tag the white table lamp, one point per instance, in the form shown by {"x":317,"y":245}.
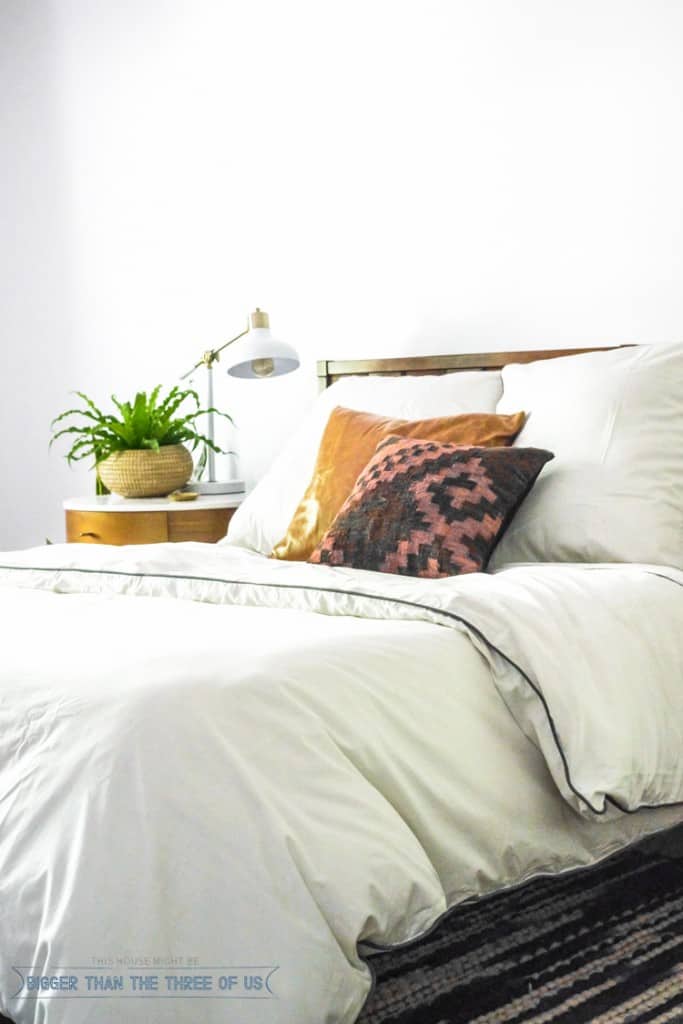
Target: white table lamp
{"x":260,"y":355}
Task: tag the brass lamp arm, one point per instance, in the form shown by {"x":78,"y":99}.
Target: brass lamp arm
{"x":212,"y":355}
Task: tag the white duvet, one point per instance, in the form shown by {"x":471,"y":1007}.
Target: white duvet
{"x":214,"y":766}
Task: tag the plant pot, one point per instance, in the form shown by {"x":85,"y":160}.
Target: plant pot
{"x":142,"y":473}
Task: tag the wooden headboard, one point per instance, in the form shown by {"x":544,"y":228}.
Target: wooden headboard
{"x":330,"y":370}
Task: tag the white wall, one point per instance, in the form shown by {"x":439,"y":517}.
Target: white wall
{"x":385,"y":177}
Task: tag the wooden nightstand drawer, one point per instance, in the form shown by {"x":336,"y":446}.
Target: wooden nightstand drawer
{"x":148,"y":521}
{"x":116,"y":527}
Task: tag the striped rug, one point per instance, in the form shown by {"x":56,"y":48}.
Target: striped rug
{"x":603,"y":946}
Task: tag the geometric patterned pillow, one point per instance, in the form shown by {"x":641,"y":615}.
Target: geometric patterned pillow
{"x":428,"y":508}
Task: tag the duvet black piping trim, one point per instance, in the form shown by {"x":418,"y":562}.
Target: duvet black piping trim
{"x":375,"y":948}
{"x":391,"y":600}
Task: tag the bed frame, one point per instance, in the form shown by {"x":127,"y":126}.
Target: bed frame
{"x":330,"y":370}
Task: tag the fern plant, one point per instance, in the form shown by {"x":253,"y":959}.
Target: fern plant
{"x":148,"y":422}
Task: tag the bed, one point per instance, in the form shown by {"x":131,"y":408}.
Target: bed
{"x":230,"y":778}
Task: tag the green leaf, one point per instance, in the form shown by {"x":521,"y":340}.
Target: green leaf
{"x":75,"y":412}
{"x":89,"y":402}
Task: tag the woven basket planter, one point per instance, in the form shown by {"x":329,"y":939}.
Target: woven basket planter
{"x":142,"y":473}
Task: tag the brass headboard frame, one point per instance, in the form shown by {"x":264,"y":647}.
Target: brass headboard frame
{"x":330,"y":370}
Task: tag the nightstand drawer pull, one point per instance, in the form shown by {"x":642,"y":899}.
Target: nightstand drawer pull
{"x":87,"y":533}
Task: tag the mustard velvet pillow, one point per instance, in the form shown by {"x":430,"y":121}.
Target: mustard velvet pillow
{"x":348,"y":443}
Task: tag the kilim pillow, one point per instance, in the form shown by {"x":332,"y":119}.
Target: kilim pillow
{"x":350,"y":439}
{"x":427,"y":508}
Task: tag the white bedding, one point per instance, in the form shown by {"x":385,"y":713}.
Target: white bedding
{"x":196,"y":763}
{"x":614,"y":491}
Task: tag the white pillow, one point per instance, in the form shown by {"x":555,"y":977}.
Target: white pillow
{"x":614,"y":491}
{"x":262,"y":519}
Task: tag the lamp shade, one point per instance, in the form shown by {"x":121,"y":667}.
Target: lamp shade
{"x":259,"y":354}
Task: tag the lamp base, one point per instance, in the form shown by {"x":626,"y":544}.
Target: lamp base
{"x":216,"y":486}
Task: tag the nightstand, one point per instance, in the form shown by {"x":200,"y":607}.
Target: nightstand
{"x":109,"y":519}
